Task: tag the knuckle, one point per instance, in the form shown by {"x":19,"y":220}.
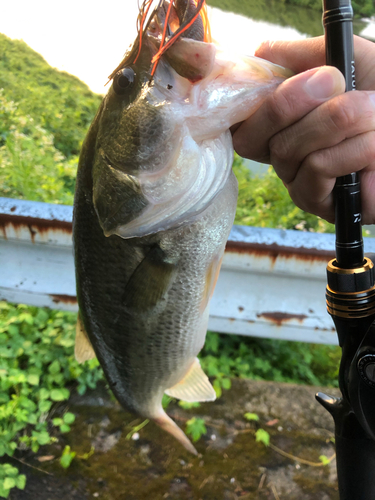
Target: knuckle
{"x":366,"y":147}
{"x":371,"y":145}
{"x":317,"y":161}
{"x":344,"y":114}
{"x":240,"y":146}
{"x":283,"y":145}
{"x":279,"y":149}
{"x":281,"y":105}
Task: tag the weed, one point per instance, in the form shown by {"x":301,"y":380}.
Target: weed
{"x":67,"y":457}
{"x":195,"y":427}
{"x":262,"y":436}
{"x":36,"y":365}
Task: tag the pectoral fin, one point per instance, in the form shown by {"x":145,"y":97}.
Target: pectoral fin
{"x":83,"y":350}
{"x":150,"y":282}
{"x":195,"y":386}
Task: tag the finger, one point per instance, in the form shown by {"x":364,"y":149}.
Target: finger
{"x":304,"y":54}
{"x":312,"y":187}
{"x":367,"y":177}
{"x":364,"y":51}
{"x":290,"y":102}
{"x":298,"y":55}
{"x":341,"y":118}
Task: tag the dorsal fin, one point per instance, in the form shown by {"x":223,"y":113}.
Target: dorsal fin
{"x":83,"y":350}
{"x":195,"y":386}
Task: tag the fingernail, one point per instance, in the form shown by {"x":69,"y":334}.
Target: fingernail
{"x":323,"y":84}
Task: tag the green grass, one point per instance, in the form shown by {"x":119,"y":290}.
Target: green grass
{"x":44,"y":116}
{"x":60,"y":103}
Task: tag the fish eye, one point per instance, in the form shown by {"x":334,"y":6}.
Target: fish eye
{"x":123,"y":80}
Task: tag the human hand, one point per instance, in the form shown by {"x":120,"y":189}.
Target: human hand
{"x":311,"y":131}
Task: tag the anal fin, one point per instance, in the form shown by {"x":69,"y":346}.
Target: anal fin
{"x":195,"y":386}
{"x":83,"y":350}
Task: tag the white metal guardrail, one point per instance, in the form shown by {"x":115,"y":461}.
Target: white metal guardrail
{"x":272,"y":282}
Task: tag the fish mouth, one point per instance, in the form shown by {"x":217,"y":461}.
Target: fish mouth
{"x":170,"y":21}
{"x":184,"y":17}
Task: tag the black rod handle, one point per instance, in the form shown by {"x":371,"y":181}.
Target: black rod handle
{"x":338,"y":26}
{"x":355,"y":468}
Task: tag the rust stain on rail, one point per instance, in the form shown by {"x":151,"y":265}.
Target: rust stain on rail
{"x":65,"y":299}
{"x":279,"y":318}
{"x":275,"y":251}
{"x":49,"y":228}
{"x":17,"y":223}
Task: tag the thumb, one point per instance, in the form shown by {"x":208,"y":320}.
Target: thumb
{"x":290,"y":102}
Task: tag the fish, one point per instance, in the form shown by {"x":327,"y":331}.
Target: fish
{"x":154,"y":204}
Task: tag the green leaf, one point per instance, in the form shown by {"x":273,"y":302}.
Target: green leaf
{"x":43,"y":438}
{"x":67,"y":457}
{"x":9,"y":470}
{"x":4,"y":493}
{"x":262,"y":436}
{"x":9,"y":482}
{"x":13,"y":330}
{"x":324,"y":460}
{"x":21,"y":481}
{"x":45,"y":405}
{"x":195,"y":427}
{"x":64,"y":428}
{"x":67,"y":342}
{"x":33,"y":379}
{"x":226,"y":383}
{"x":69,"y":418}
{"x":32,"y":418}
{"x":43,"y":393}
{"x":217,"y":388}
{"x":54,"y":367}
{"x":251,"y":416}
{"x":27,"y":318}
{"x":187,"y":405}
{"x":27,"y":403}
{"x":59,"y":394}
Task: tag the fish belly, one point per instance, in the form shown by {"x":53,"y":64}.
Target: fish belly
{"x":144,"y":301}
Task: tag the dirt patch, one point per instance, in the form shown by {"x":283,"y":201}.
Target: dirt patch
{"x":231,"y":465}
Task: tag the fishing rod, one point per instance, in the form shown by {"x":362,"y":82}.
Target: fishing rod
{"x":350,"y":297}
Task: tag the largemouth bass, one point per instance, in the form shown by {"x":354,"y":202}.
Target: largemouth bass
{"x":155,"y":201}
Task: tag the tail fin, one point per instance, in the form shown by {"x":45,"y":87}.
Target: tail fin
{"x":170,"y":426}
